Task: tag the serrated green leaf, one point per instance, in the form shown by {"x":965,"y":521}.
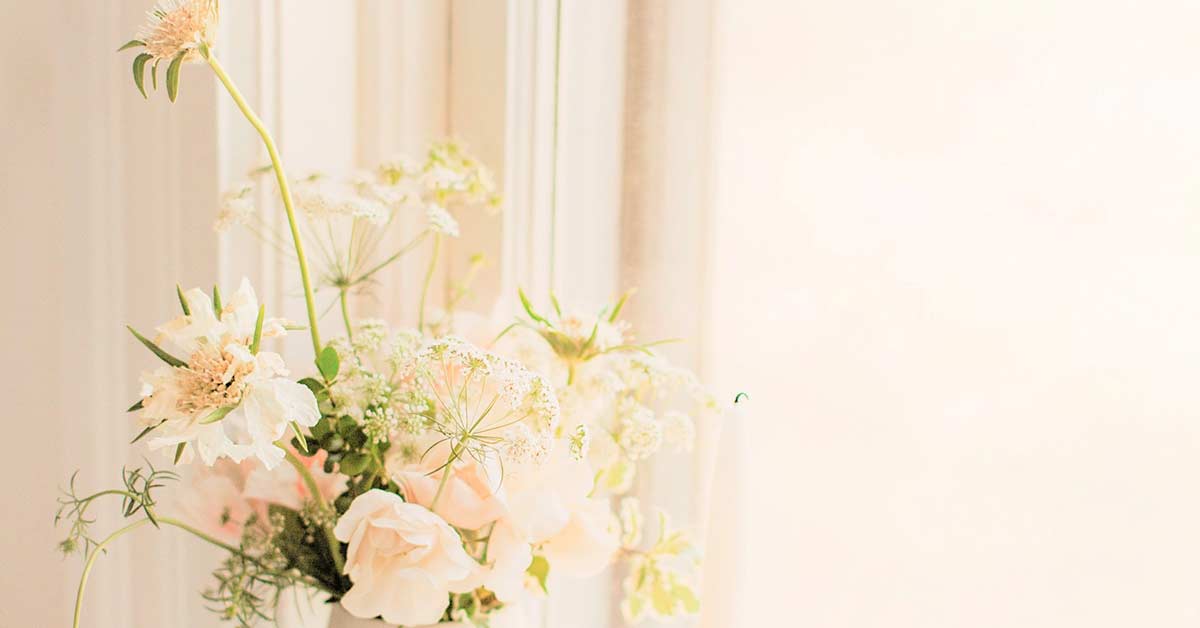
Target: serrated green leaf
{"x":132,"y":43}
{"x":328,"y":363}
{"x":182,"y":301}
{"x":147,"y":431}
{"x":262,"y":312}
{"x":179,"y":452}
{"x":139,"y":72}
{"x":217,"y":415}
{"x":156,"y":350}
{"x":173,"y":76}
{"x":539,"y":568}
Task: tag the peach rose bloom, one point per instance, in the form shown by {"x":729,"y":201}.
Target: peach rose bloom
{"x":403,"y":560}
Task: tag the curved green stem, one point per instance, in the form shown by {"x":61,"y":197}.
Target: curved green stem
{"x":346,"y":315}
{"x":91,"y":560}
{"x":433,"y":257}
{"x":284,"y":191}
{"x":335,"y":547}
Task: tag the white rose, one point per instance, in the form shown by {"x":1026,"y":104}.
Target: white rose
{"x":403,"y":560}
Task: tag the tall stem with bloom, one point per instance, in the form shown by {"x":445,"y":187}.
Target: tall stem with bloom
{"x":433,"y":257}
{"x":284,"y":191}
{"x":309,"y":303}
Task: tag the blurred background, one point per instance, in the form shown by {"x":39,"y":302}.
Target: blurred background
{"x":949,"y":249}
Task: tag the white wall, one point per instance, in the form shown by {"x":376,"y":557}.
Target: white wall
{"x":956,"y":250}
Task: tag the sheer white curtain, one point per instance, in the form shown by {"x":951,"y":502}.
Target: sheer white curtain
{"x":953,"y":253}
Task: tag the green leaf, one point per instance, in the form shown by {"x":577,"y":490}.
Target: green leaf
{"x":156,"y":350}
{"x":154,"y":75}
{"x":554,"y":302}
{"x":146,"y":431}
{"x":354,"y":464}
{"x":179,"y":452}
{"x":540,"y":570}
{"x":137,"y":406}
{"x":686,"y":596}
{"x":216,"y":300}
{"x":262,"y":312}
{"x":173,"y":76}
{"x":292,"y":538}
{"x":300,"y":439}
{"x":321,"y":429}
{"x":346,"y":425}
{"x":217,"y":415}
{"x":139,"y":72}
{"x":738,"y":397}
{"x":328,"y":363}
{"x":529,"y":308}
{"x":187,"y":311}
{"x":612,"y":318}
{"x":132,"y":43}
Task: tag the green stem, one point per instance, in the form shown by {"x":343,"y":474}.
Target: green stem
{"x":99,"y":549}
{"x":284,"y":191}
{"x":437,"y":245}
{"x":446,"y":471}
{"x":335,"y":548}
{"x":346,"y":315}
{"x":91,"y":560}
{"x":395,"y":256}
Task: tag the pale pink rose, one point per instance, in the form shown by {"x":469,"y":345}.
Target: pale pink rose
{"x":403,"y":560}
{"x":588,"y":543}
{"x":213,"y":500}
{"x":470,"y":498}
{"x":549,"y":504}
{"x":283,"y":485}
{"x":541,"y":496}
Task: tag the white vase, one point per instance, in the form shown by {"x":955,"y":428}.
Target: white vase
{"x":339,"y":618}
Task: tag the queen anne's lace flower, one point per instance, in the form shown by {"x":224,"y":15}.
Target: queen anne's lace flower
{"x":641,"y":435}
{"x":225,"y":401}
{"x":440,"y":220}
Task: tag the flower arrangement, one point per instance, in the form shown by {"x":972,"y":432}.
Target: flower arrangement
{"x":438,"y":473}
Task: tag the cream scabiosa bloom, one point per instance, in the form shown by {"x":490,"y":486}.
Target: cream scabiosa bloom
{"x":175,"y":27}
{"x":225,"y":400}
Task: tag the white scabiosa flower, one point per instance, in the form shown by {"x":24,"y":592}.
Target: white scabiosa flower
{"x":175,"y":27}
{"x":223,"y":400}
